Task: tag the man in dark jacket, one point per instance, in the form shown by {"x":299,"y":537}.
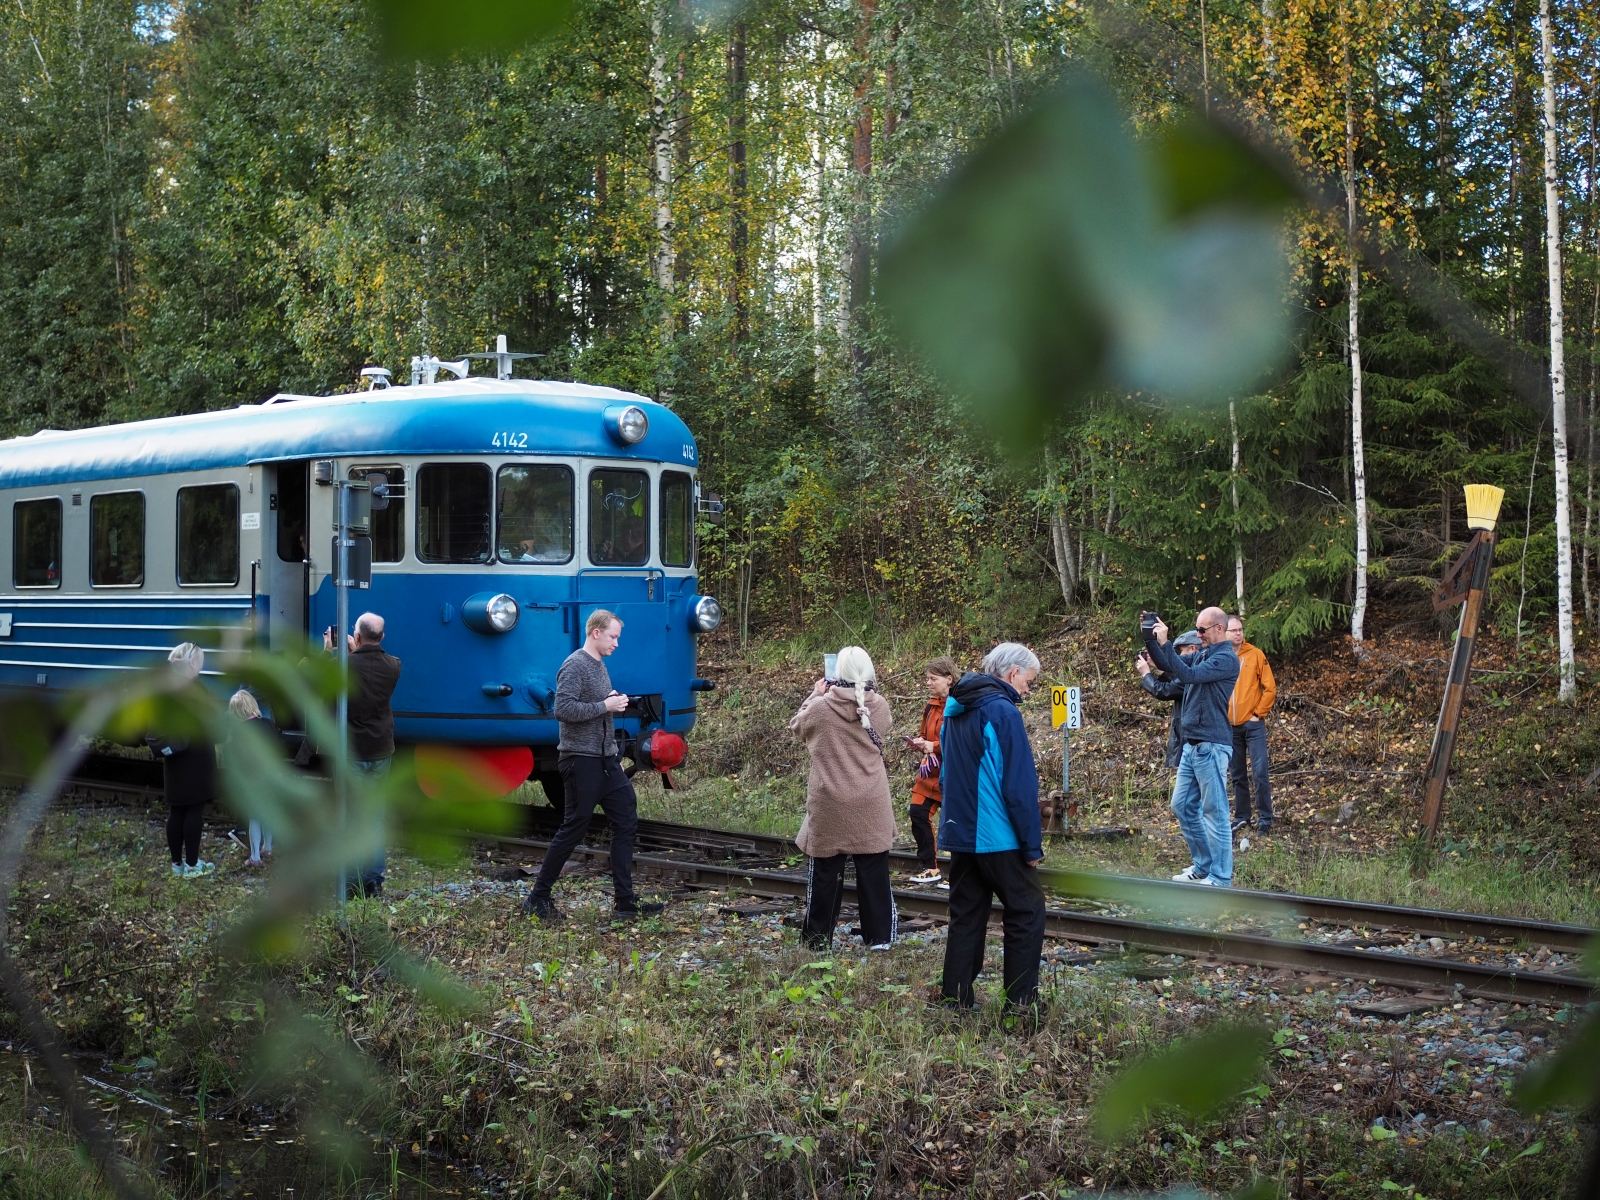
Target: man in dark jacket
{"x":1200,"y":791}
{"x":1164,"y":687}
{"x":990,"y":825}
{"x":374,"y":675}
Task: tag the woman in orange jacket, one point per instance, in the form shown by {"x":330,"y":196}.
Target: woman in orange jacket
{"x":940,"y":675}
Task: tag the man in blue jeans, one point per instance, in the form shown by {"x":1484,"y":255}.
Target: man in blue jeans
{"x":1201,"y":788}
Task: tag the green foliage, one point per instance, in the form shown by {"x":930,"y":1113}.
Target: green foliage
{"x":1067,"y":254}
{"x":207,"y":204}
{"x":430,"y":29}
{"x":1196,"y":1075}
{"x":1570,"y":1077}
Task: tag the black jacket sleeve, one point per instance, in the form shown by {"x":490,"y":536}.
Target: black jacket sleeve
{"x":1161,"y":689}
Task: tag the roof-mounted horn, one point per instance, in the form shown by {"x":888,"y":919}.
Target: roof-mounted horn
{"x":425,"y":368}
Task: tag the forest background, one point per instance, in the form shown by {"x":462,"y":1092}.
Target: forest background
{"x":206,"y":203}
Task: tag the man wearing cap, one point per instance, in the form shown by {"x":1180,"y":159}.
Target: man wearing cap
{"x":1163,"y":687}
{"x":1208,"y":677}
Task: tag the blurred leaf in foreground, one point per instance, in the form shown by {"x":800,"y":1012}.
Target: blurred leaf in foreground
{"x":1568,"y":1077}
{"x":1197,"y":1075}
{"x":1067,"y":255}
{"x":438,"y":29}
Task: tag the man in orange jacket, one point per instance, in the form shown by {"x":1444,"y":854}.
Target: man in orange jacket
{"x":1253,"y":697}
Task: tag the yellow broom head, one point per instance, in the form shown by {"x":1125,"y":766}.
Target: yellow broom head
{"x":1483,"y":505}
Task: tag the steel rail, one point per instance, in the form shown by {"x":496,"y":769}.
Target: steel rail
{"x":1165,"y":893}
{"x":105,"y":775}
{"x":1474,"y":979}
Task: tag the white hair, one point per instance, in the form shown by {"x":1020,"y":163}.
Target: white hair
{"x":855,"y":666}
{"x":243,"y":705}
{"x":1008,"y":657}
{"x":369,"y":627}
{"x":188,"y":658}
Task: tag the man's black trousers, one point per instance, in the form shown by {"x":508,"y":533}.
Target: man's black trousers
{"x":975,"y":881}
{"x":825,"y":897}
{"x":588,"y":780}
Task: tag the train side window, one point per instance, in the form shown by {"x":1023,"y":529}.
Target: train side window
{"x":116,"y":539}
{"x":453,"y":506}
{"x":294,"y":479}
{"x":619,"y":517}
{"x":388,"y":524}
{"x":677,"y":519}
{"x":535,"y":521}
{"x":208,"y":534}
{"x":36,"y":543}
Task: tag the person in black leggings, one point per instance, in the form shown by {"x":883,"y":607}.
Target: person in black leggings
{"x":189,"y":771}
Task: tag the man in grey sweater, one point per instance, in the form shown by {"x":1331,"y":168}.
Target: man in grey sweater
{"x":591,"y":773}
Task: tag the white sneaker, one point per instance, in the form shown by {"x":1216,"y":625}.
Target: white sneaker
{"x":881,"y":948}
{"x":1190,"y":874}
{"x":178,"y":869}
{"x":1208,"y":882}
{"x":944,"y":885}
{"x":931,"y":875}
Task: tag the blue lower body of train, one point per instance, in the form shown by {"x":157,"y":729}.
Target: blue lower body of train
{"x":458,"y":686}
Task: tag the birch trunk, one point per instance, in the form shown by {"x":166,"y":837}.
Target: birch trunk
{"x":661,"y":148}
{"x":738,"y":185}
{"x":1238,"y":541}
{"x":860,"y":282}
{"x":1558,"y":366}
{"x":1061,"y":543}
{"x":1358,"y":450}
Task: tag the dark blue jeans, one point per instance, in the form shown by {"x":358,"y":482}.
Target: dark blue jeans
{"x":1251,"y":738}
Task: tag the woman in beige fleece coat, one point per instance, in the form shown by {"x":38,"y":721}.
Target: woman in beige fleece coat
{"x":844,"y":723}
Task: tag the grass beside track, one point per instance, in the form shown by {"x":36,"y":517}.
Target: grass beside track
{"x":590,"y":1061}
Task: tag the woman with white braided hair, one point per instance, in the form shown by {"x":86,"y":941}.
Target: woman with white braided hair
{"x":844,"y":723}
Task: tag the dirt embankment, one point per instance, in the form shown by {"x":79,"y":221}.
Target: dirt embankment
{"x":1349,"y":736}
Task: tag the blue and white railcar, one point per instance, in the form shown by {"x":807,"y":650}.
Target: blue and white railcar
{"x":515,"y":509}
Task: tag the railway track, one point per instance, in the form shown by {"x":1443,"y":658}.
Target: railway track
{"x":1343,"y":962}
{"x":756,"y":863}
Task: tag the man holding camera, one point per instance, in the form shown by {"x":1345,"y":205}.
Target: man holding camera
{"x":1200,"y":792}
{"x":1163,"y":687}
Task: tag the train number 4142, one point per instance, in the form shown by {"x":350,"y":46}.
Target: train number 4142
{"x":510,"y":441}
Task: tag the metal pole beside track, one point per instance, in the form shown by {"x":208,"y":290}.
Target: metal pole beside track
{"x":341,"y":591}
{"x":1437,"y":774}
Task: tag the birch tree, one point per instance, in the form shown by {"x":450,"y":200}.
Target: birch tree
{"x":1358,"y":445}
{"x":1558,"y":369}
{"x":661,"y":98}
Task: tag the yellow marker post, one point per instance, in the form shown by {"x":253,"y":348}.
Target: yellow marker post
{"x":1066,"y":714}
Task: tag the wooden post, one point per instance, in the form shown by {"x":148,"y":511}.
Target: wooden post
{"x":1481,"y":553}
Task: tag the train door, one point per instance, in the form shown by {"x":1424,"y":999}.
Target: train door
{"x":286,"y":562}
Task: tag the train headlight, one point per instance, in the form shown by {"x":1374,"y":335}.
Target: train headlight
{"x":627,"y":423}
{"x":502,"y":613}
{"x":489,"y":613}
{"x":706,"y":615}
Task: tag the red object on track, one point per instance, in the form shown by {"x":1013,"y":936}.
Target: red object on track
{"x":472,"y":772}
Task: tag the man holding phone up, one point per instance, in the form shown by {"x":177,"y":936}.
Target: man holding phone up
{"x":591,"y":772}
{"x":1201,"y":787}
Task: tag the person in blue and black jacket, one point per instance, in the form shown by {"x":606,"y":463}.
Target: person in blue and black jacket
{"x":1200,"y":791}
{"x":991,"y":826}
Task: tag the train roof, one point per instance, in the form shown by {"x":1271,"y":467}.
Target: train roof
{"x":454,"y":417}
